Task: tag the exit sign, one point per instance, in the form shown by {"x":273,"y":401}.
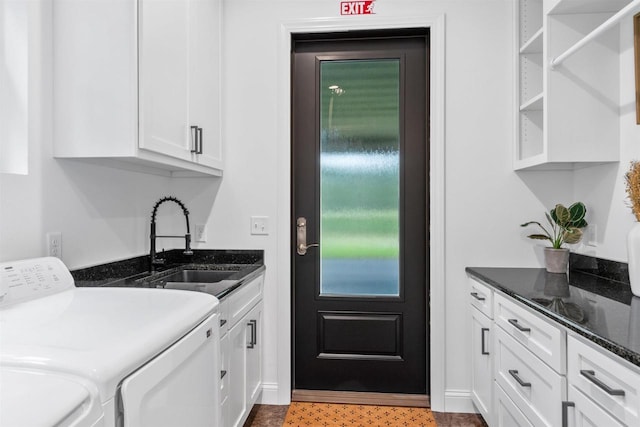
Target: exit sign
{"x":356,"y":7}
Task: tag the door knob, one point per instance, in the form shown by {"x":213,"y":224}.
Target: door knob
{"x":301,"y":242}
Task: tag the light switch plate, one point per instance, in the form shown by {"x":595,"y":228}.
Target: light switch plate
{"x":259,"y":225}
{"x":201,"y":233}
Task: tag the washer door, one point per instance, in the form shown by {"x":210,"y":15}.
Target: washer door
{"x":178,"y":387}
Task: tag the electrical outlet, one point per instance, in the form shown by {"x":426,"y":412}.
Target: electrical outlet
{"x":592,"y":235}
{"x":201,"y":232}
{"x":54,"y":244}
{"x":259,"y":225}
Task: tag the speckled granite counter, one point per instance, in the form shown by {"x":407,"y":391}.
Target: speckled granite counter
{"x":135,"y":272}
{"x":601,"y":309}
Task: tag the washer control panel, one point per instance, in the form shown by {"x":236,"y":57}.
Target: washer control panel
{"x":29,"y":279}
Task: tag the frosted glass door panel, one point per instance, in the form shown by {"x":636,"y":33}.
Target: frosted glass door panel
{"x":359,"y":177}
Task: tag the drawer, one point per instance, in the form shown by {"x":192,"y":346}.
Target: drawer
{"x":481,"y":297}
{"x":224,"y":367}
{"x":582,"y":411}
{"x":605,"y":379}
{"x":507,"y":414}
{"x":243,"y":299}
{"x":545,"y":339}
{"x":532,"y":385}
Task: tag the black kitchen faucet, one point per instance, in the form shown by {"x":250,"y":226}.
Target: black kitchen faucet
{"x":187,"y":237}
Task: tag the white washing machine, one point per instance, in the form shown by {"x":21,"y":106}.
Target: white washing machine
{"x":149,"y":357}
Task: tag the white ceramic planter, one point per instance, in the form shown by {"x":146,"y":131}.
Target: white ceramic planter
{"x":556,"y":260}
{"x":633,"y":252}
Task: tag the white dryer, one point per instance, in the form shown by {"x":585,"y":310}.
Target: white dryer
{"x":151,"y":355}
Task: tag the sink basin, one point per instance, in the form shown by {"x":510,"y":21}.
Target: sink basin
{"x":200,"y":276}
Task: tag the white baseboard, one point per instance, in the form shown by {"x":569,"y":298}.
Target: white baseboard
{"x":270,"y":395}
{"x":458,"y":401}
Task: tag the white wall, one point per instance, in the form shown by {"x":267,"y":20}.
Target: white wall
{"x":104,"y":213}
{"x":602,"y":188}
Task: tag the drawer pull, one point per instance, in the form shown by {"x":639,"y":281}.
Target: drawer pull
{"x":515,"y":375}
{"x":223,"y":322}
{"x":222,"y":374}
{"x":478,"y":297}
{"x":515,"y":323}
{"x":482,"y":331}
{"x":591,"y":376}
{"x":565,"y":415}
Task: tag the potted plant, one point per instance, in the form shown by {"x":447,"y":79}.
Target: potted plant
{"x":632,"y":178}
{"x":566,"y":227}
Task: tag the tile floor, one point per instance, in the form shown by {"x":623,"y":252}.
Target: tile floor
{"x":273,"y":416}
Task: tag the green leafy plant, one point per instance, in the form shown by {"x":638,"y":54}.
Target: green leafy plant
{"x":566,"y":225}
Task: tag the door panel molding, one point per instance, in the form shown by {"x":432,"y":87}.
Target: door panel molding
{"x":338,"y":329}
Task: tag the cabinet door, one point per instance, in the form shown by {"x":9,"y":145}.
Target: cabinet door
{"x":163,"y":40}
{"x":254,"y":355}
{"x":482,"y":364}
{"x":239,"y":338}
{"x":204,"y":82}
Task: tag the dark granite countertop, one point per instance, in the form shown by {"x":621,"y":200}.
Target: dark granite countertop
{"x":135,"y":272}
{"x":600,"y":309}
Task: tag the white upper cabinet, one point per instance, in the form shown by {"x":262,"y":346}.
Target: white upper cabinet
{"x":568,"y":104}
{"x":137,"y":84}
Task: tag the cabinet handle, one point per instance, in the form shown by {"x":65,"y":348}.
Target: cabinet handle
{"x":591,"y":376}
{"x":222,"y":374}
{"x":196,"y":135}
{"x":194,"y":138}
{"x":515,"y":323}
{"x":253,"y":325}
{"x":565,"y":415}
{"x":223,"y":322}
{"x":482,"y":331}
{"x":478,"y":297}
{"x":515,"y":375}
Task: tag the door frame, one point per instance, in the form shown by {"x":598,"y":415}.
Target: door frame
{"x":280,"y":391}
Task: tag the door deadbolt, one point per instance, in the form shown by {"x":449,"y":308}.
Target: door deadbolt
{"x":301,"y":241}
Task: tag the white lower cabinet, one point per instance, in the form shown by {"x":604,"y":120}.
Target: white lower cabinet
{"x":482,"y":362}
{"x":532,"y":385}
{"x":543,"y":374}
{"x":241,"y":350}
{"x":603,"y":381}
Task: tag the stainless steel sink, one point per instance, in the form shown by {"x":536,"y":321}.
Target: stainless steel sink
{"x":199,"y":276}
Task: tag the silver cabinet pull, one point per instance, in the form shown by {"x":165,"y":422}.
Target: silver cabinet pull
{"x":515,"y":375}
{"x":482,"y":331}
{"x":591,"y":376}
{"x":301,"y":234}
{"x":196,"y":134}
{"x":253,"y":324}
{"x":565,"y":416}
{"x":478,"y":297}
{"x":515,"y":323}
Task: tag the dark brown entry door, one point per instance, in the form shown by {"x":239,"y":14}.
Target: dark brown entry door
{"x":360,"y":126}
